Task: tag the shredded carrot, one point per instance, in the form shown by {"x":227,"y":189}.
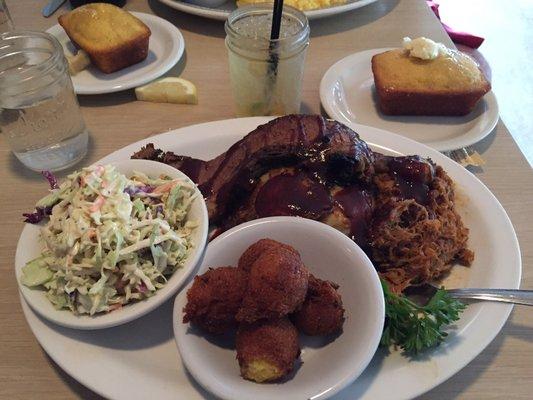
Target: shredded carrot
{"x":98,"y":203}
{"x":115,"y":307}
{"x":91,"y":233}
{"x":99,"y":170}
{"x":165,"y":188}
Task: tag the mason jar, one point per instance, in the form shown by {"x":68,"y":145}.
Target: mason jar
{"x":6,"y":23}
{"x":39,"y":113}
{"x":266,"y":75}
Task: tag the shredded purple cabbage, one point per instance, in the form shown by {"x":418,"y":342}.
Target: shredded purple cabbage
{"x":142,"y":287}
{"x":38,"y":215}
{"x":52,"y":180}
{"x":42,"y":212}
{"x":159,"y":210}
{"x":133,"y":190}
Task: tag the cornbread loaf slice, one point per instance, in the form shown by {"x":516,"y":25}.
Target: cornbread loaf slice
{"x":113,"y":38}
{"x":450,"y":84}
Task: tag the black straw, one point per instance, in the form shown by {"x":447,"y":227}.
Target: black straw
{"x":276,"y":19}
{"x":272,"y":48}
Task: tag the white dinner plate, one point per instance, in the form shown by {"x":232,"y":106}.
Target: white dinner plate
{"x":348,"y":95}
{"x":165,"y":49}
{"x":144,"y":363}
{"x":221,"y":12}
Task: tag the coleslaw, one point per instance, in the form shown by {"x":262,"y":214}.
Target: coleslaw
{"x":110,"y":239}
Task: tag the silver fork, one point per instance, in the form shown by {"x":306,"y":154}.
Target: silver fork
{"x":464,"y":156}
{"x":515,"y":296}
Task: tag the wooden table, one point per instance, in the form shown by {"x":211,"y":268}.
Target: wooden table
{"x":503,"y":370}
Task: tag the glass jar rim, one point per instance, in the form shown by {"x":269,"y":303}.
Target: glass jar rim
{"x":299,"y":37}
{"x":42,"y":67}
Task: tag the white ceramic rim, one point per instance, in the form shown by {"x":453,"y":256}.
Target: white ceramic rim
{"x":222,"y":15}
{"x":330,"y":78}
{"x":172,"y":56}
{"x":194,"y":366}
{"x":131,"y":311}
{"x":489,"y":320}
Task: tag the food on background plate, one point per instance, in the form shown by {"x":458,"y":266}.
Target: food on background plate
{"x":113,"y":38}
{"x":78,"y":62}
{"x":267,"y":349}
{"x":305,"y":165}
{"x":214,"y":299}
{"x":303,"y":5}
{"x":168,"y":90}
{"x":109,"y":239}
{"x":78,"y":3}
{"x":321,"y":313}
{"x":427,"y":78}
{"x":269,"y":286}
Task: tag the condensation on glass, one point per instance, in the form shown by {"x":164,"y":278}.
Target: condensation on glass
{"x":39,"y":112}
{"x":266,"y":75}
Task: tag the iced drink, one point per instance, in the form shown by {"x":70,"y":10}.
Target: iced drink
{"x":266,"y":75}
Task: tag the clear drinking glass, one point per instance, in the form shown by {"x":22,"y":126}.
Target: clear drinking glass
{"x":6,"y":23}
{"x":266,"y":75}
{"x":39,"y":112}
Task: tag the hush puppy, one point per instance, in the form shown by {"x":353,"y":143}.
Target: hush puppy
{"x":266,"y":350}
{"x":253,"y":252}
{"x":322,"y":312}
{"x":214,"y":299}
{"x":277,"y":285}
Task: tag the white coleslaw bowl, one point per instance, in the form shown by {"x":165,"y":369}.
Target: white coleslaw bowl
{"x":29,"y":248}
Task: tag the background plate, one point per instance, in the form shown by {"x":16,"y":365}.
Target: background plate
{"x":144,"y":363}
{"x":164,"y":51}
{"x":221,"y":12}
{"x":347,"y":94}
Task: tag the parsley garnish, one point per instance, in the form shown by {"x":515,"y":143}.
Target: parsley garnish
{"x":416,"y":328}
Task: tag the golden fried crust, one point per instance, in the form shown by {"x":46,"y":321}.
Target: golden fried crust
{"x":445,"y":86}
{"x":255,"y":250}
{"x":277,"y":285}
{"x":113,"y":38}
{"x":214,"y":299}
{"x":322,"y":312}
{"x":266,"y":350}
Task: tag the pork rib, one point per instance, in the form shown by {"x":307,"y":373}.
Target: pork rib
{"x":328,"y":149}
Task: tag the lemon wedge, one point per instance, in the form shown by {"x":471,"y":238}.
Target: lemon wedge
{"x":168,"y":90}
{"x":78,"y":62}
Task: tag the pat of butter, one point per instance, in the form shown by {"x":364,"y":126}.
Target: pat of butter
{"x":423,"y":48}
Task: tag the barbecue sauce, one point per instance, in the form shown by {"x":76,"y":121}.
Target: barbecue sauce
{"x":412,"y":175}
{"x":295,"y":195}
{"x":356,"y":204}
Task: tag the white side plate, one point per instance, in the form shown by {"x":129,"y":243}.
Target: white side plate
{"x":347,"y":94}
{"x":164,"y":51}
{"x":327,"y":365}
